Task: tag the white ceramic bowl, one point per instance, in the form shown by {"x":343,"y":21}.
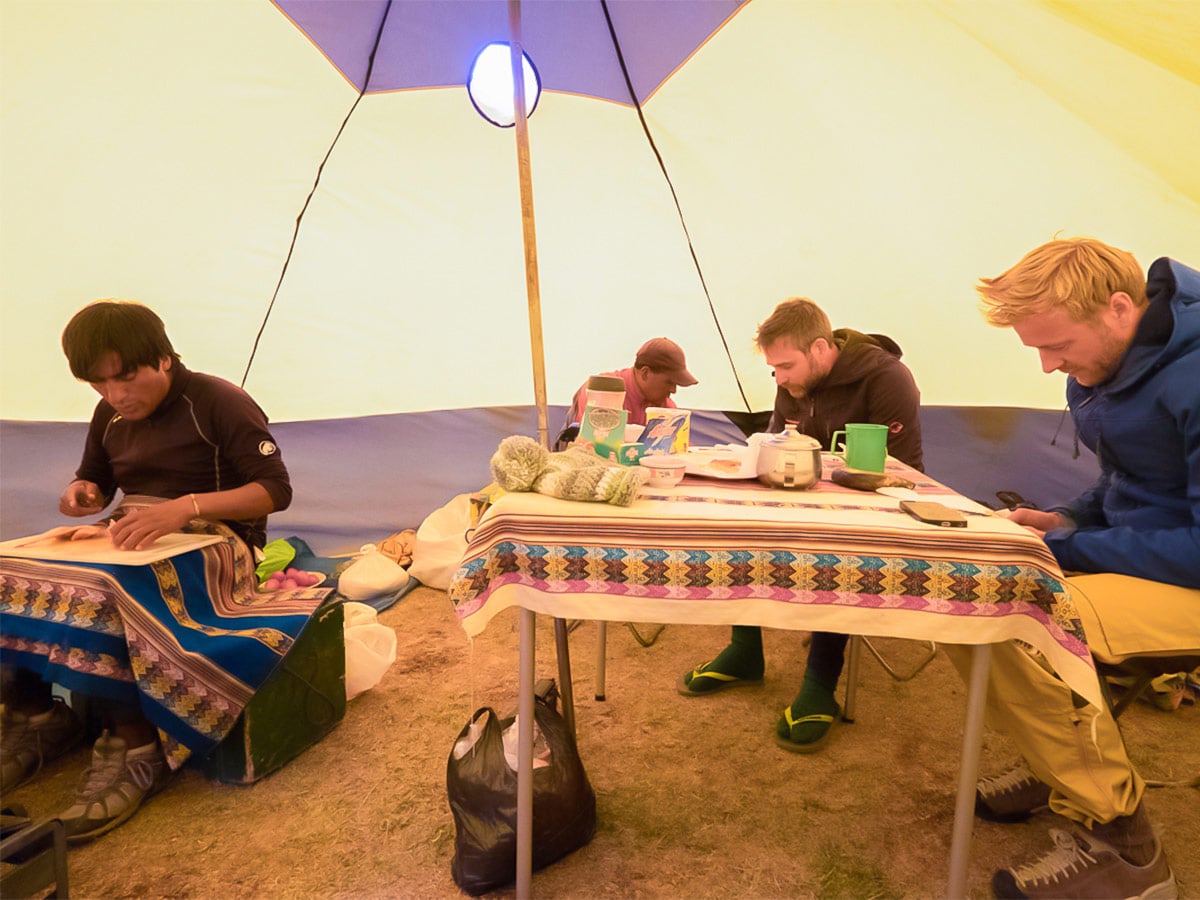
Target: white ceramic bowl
{"x":665,"y":470}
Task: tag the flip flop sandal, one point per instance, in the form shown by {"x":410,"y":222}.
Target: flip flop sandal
{"x":714,"y":682}
{"x":812,"y":746}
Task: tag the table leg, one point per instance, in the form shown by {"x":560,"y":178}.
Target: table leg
{"x":566,"y":687}
{"x":968,"y":775}
{"x":601,"y":656}
{"x":525,"y":755}
{"x":853,"y":658}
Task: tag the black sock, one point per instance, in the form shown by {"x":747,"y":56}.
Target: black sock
{"x":743,"y":658}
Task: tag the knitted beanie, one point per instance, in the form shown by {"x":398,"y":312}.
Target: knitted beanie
{"x":522,"y":464}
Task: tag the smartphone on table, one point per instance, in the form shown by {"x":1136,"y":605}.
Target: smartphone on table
{"x":935,"y":513}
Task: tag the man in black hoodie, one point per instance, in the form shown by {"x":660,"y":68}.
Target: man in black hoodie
{"x":825,"y":379}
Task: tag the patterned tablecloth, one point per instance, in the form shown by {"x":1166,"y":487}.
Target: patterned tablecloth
{"x":712,"y":551}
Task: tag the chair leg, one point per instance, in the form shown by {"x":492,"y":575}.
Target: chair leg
{"x":643,"y":640}
{"x":601,"y":641}
{"x":1116,"y":707}
{"x":928,"y":658}
{"x":854,"y":660}
{"x":1135,"y":690}
{"x":601,"y":649}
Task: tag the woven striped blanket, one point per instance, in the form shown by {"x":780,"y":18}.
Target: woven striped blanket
{"x":188,"y":638}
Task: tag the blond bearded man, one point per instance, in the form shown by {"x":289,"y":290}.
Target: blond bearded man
{"x":1130,"y":545}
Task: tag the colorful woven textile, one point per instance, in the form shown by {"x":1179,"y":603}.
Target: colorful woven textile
{"x":729,"y":552}
{"x":188,"y":638}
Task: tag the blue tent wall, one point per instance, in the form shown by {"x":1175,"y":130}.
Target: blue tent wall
{"x":359,"y":480}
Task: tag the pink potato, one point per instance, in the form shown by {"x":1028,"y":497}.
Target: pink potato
{"x":288,"y":584}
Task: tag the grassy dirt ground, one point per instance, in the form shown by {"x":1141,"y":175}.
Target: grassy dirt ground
{"x":694,"y":799}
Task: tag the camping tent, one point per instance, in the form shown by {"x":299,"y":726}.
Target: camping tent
{"x":877,"y":157}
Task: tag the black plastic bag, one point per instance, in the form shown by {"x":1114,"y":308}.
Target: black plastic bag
{"x":482,"y":790}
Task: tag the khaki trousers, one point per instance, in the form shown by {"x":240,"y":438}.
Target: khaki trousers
{"x":1078,"y":750}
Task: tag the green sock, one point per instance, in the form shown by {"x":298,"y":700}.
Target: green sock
{"x":743,"y":658}
{"x":814,"y":699}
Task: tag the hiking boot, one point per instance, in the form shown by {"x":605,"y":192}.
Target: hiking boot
{"x":1011,"y":797}
{"x":30,"y":741}
{"x":1082,"y":865}
{"x":113,"y":787}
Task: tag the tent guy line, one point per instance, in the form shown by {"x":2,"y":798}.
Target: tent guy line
{"x":662,"y":165}
{"x":308,"y":199}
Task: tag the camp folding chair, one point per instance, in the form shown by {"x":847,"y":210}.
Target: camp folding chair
{"x":602,"y":646}
{"x":854,"y":657}
{"x":1143,"y":669}
{"x":562,"y":631}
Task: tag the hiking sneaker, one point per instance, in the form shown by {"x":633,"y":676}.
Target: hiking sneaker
{"x":113,"y":788}
{"x":1081,"y":865}
{"x":1011,"y":797}
{"x":28,"y":742}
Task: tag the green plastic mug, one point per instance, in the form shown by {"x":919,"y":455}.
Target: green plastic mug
{"x":866,"y":446}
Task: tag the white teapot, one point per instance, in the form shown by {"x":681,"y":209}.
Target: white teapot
{"x":789,"y":459}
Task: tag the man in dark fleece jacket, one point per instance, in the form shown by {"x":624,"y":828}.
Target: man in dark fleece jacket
{"x":825,"y":379}
{"x":187,"y":446}
{"x":1130,"y":546}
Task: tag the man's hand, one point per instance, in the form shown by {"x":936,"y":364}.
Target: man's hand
{"x":142,"y":527}
{"x":1038,"y":521}
{"x":81,"y":498}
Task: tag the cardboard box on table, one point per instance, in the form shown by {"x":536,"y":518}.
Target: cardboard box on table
{"x":604,"y":428}
{"x":667,"y":430}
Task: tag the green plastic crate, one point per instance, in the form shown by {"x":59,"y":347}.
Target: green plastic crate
{"x":297,"y":706}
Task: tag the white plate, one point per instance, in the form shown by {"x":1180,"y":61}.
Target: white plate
{"x":707,"y":462}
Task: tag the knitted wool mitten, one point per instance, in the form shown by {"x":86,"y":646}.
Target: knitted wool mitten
{"x":522,"y":464}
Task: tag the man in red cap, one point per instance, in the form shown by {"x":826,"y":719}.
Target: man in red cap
{"x":658,"y":369}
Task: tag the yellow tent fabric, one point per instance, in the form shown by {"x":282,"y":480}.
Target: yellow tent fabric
{"x":876,"y":156}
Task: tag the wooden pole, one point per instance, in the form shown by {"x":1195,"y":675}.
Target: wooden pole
{"x":524,"y":823}
{"x":532,"y":287}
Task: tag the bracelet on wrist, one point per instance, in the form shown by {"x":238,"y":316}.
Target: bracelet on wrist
{"x":195,"y":506}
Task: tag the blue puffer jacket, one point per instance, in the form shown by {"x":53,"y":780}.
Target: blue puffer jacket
{"x":1142,"y":517}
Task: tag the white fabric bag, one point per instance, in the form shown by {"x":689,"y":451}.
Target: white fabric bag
{"x":371,"y":575}
{"x":370,"y":648}
{"x":441,"y":543}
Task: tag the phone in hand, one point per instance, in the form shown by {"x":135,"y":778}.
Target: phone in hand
{"x":934,"y":513}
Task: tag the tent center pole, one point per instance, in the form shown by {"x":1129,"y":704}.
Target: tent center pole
{"x":529,"y":232}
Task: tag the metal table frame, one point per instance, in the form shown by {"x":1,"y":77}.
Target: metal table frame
{"x":968,"y":774}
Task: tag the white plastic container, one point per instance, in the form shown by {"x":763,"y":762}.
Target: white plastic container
{"x":665,"y":470}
